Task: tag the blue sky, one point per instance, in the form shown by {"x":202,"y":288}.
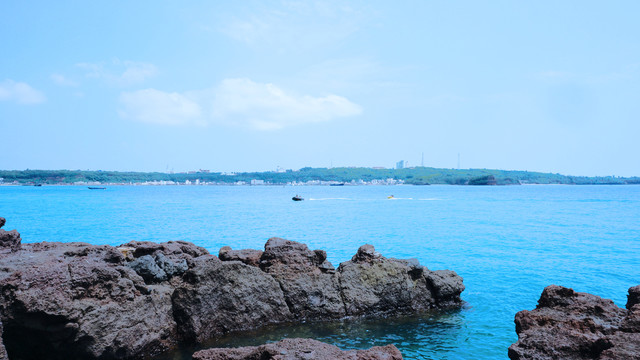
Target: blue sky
{"x":252,"y":85}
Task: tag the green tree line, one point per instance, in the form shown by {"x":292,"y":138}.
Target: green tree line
{"x":416,"y":176}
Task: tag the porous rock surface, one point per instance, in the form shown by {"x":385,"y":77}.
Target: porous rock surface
{"x":574,"y":326}
{"x":140,"y":299}
{"x":298,"y":349}
{"x":3,"y":352}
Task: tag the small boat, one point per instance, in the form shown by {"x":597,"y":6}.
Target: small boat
{"x":297,"y":198}
{"x":390,"y":197}
{"x":338,"y":184}
{"x":37,"y":184}
{"x":97,"y":188}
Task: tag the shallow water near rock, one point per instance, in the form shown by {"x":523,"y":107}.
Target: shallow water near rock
{"x":420,"y":337}
{"x":508,"y":243}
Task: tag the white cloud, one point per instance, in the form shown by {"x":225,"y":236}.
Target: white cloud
{"x":119,"y":73}
{"x":63,"y":81}
{"x":20,"y":92}
{"x":295,"y":24}
{"x":235,"y":102}
{"x":267,"y":107}
{"x":158,"y":107}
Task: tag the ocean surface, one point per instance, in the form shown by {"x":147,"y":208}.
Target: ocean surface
{"x":507,"y":242}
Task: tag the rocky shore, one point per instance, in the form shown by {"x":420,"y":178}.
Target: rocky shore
{"x":293,"y":349}
{"x":141,"y":299}
{"x":575,"y":326}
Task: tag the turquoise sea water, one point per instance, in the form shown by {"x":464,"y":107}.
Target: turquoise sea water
{"x":508,"y":243}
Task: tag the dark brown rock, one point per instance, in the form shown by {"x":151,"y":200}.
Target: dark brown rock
{"x":2,"y":222}
{"x":137,"y":300}
{"x":446,"y":287}
{"x":366,"y":254}
{"x":219,"y":297}
{"x":634,"y":297}
{"x":10,"y":240}
{"x":373,"y":284}
{"x":624,"y":346}
{"x":298,"y":349}
{"x":247,"y":256}
{"x":307,"y":279}
{"x":572,"y":325}
{"x":74,"y":300}
{"x":3,"y":352}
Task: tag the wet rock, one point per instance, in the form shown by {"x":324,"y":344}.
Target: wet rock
{"x":572,"y":325}
{"x":299,"y":349}
{"x":247,"y":256}
{"x":2,"y":222}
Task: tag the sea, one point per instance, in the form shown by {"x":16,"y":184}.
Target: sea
{"x":507,"y":242}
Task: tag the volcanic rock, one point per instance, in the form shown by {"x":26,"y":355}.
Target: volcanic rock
{"x":219,"y":297}
{"x":298,"y":349}
{"x":572,"y":325}
{"x":247,"y":256}
{"x":634,"y":297}
{"x":140,"y":299}
{"x":75,"y":300}
{"x":3,"y":352}
{"x":373,"y":284}
{"x":9,"y":240}
{"x":307,"y":279}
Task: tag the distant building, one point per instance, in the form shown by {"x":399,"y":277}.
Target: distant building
{"x":257,"y":182}
{"x":204,"y":171}
{"x":400,"y":164}
{"x":378,"y":167}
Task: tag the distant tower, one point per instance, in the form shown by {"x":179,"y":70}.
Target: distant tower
{"x":458,"y":161}
{"x":400,"y":164}
{"x":422,"y":162}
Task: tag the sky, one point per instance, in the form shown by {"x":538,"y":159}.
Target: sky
{"x":551,"y":86}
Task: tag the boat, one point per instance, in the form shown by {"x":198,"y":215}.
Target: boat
{"x":337,"y":184}
{"x":390,"y":197}
{"x":37,"y":184}
{"x":97,"y":188}
{"x":297,"y":198}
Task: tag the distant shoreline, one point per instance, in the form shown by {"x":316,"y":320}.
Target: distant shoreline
{"x":308,"y":176}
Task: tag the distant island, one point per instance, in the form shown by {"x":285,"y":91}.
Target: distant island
{"x":307,"y":176}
